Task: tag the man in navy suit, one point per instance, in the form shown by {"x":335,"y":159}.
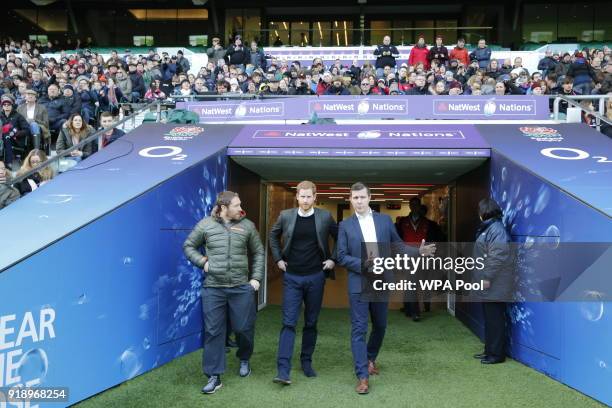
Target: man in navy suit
{"x":376,"y":230}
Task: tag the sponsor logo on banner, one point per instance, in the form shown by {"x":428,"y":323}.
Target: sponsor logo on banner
{"x":359,"y":134}
{"x":358,"y":107}
{"x":488,"y":107}
{"x":541,"y":133}
{"x":244,"y":110}
{"x":183,"y":133}
{"x":23,"y":360}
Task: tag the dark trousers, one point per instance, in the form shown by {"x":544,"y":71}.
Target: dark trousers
{"x":298,"y":289}
{"x":239,"y":302}
{"x":360,"y":310}
{"x":495,"y":329}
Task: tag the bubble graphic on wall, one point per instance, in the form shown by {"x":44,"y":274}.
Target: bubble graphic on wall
{"x":542,"y":200}
{"x":592,"y":309}
{"x":553,"y":237}
{"x":516,"y":190}
{"x":33,"y":366}
{"x":146,"y":343}
{"x":143,"y":313}
{"x":504,"y":173}
{"x":130,"y":364}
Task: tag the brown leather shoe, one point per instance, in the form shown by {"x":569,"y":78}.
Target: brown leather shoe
{"x":372,"y":369}
{"x":363,"y":386}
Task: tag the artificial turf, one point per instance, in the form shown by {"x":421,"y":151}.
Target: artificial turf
{"x":425,"y":364}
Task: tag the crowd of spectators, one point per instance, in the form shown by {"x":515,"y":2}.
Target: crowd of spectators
{"x":64,"y":97}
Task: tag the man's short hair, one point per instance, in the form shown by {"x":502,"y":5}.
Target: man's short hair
{"x":306,"y":185}
{"x":568,"y":80}
{"x":358,"y":186}
{"x":106,"y":115}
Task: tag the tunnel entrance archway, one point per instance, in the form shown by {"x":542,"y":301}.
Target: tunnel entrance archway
{"x":268,"y":182}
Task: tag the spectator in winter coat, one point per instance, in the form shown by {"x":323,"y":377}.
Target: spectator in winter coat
{"x":258,"y":59}
{"x":438,"y":52}
{"x":460,"y":53}
{"x":419,"y":53}
{"x":216,"y":51}
{"x":482,"y":54}
{"x":386,"y":55}
{"x":238,"y":54}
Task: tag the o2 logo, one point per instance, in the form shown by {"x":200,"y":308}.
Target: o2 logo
{"x":158,"y":152}
{"x":571,"y":154}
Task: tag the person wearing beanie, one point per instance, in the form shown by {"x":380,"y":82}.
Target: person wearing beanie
{"x":455,"y":88}
{"x":419,"y":53}
{"x":336,"y":87}
{"x":73,"y":102}
{"x":15,"y":130}
{"x":536,"y":88}
{"x":583,"y":75}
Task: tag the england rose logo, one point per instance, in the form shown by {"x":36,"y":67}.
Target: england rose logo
{"x":186,"y":131}
{"x":541,"y":133}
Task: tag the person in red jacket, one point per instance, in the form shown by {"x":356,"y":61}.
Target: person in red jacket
{"x":324,"y":83}
{"x":418,"y":53}
{"x":460,"y":53}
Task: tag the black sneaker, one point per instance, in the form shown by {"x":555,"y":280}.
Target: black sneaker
{"x":214,"y":383}
{"x":245,"y":368}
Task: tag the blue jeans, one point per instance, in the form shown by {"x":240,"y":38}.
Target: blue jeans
{"x":36,"y":134}
{"x":298,"y":289}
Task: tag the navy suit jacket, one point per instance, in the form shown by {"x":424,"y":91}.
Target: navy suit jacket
{"x":349,"y":246}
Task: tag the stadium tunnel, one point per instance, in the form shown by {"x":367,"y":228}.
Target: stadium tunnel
{"x":127,"y":210}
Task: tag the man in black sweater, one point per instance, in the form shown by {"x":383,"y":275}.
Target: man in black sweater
{"x":386,"y":54}
{"x":306,"y":261}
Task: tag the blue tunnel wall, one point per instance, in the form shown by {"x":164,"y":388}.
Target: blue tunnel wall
{"x":132,"y":306}
{"x":569,"y":341}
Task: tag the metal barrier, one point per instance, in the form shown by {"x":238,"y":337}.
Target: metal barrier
{"x":91,"y":139}
{"x":570,"y":99}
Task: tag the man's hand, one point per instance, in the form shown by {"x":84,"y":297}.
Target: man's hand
{"x":282,"y":265}
{"x":255,"y":284}
{"x":328,"y":264}
{"x":206,"y":267}
{"x":427,"y":250}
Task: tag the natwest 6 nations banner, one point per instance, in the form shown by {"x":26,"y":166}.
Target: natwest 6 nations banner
{"x":519,"y":107}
